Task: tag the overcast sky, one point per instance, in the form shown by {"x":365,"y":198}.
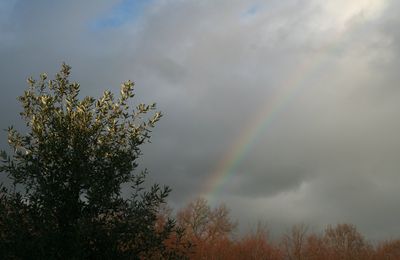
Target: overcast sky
{"x":320,"y":77}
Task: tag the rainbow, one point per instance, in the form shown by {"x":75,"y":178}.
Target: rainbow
{"x":287,"y":91}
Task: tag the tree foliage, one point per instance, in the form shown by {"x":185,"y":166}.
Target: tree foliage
{"x":339,"y":242}
{"x":205,"y":224}
{"x":68,"y":170}
{"x":207,"y":229}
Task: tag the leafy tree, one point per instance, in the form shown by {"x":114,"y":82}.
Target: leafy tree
{"x":68,"y":170}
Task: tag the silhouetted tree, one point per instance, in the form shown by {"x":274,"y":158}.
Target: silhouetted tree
{"x":67,"y":171}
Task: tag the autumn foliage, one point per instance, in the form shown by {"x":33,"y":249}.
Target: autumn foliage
{"x":210,"y":232}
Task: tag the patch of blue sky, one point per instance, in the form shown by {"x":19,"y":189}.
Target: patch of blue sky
{"x":120,"y":14}
{"x":253,"y":10}
{"x":6,"y":8}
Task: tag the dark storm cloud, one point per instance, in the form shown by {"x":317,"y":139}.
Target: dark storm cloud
{"x":330,"y":155}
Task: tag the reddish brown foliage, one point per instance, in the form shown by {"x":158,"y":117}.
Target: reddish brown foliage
{"x":256,"y":246}
{"x":210,"y":231}
{"x":388,"y":250}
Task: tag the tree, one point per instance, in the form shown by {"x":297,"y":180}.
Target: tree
{"x":388,"y":250}
{"x":293,"y":242}
{"x":256,"y":245}
{"x":68,"y":170}
{"x":345,"y":242}
{"x":203,"y":223}
{"x":205,"y":228}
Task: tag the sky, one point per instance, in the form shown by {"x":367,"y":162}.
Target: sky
{"x":284,"y":110}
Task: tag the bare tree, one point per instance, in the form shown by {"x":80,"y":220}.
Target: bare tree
{"x":293,"y":242}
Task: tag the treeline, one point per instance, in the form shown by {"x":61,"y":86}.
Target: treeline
{"x":210,"y":232}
